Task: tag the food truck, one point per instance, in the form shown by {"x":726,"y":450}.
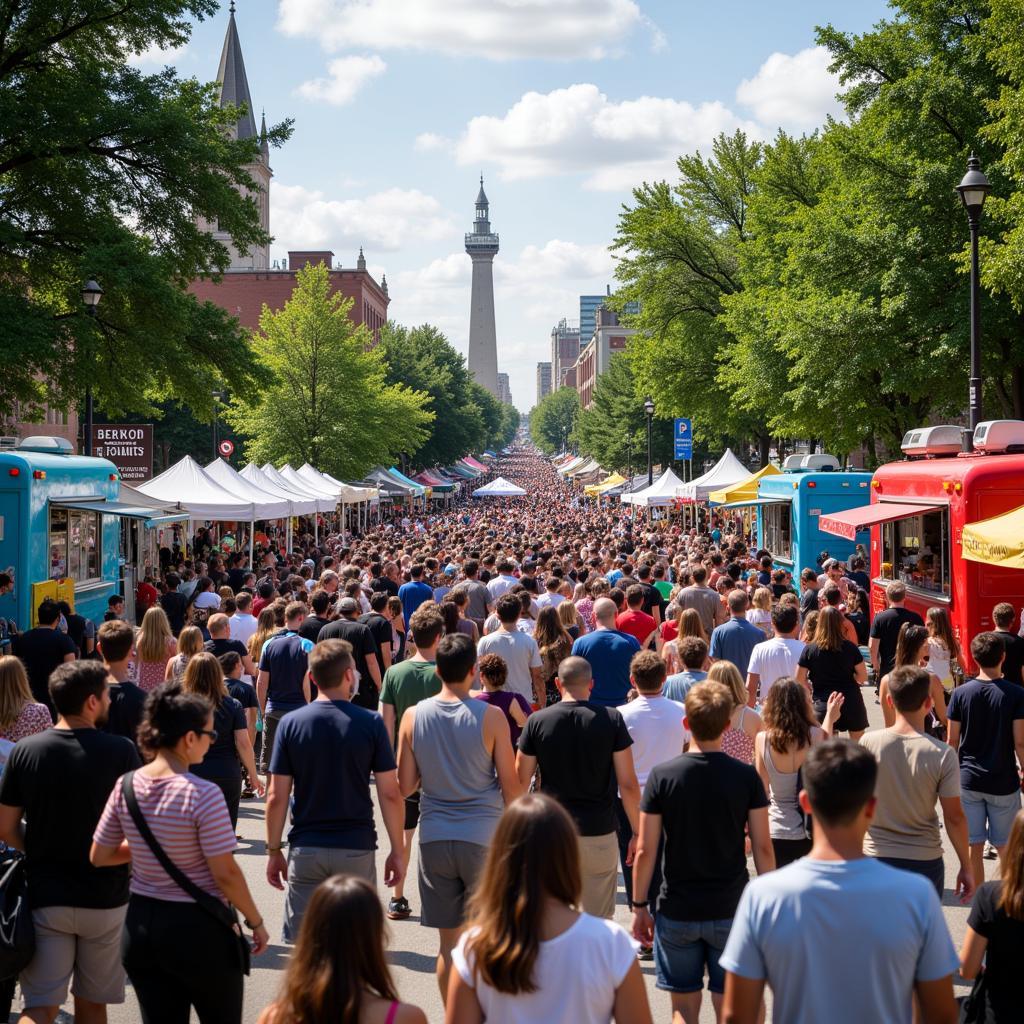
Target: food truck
{"x":60,"y":529}
{"x":919,"y":508}
{"x":791,"y":503}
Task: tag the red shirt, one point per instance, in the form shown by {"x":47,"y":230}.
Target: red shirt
{"x":146,"y":596}
{"x":669,"y":630}
{"x":258,"y":605}
{"x":637,"y":624}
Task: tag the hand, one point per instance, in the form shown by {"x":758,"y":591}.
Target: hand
{"x":277,"y":869}
{"x":631,"y":851}
{"x":643,"y":926}
{"x":394,"y":869}
{"x":834,"y":707}
{"x":260,"y":939}
{"x":964,"y":883}
{"x":259,"y":788}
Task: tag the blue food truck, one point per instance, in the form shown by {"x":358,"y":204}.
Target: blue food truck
{"x":789,"y":505}
{"x":60,"y":529}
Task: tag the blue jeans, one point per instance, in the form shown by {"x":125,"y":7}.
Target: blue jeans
{"x":989,"y":817}
{"x":683,"y":950}
{"x":625,"y":833}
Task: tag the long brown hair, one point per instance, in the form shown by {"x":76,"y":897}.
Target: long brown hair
{"x":1011,"y":892}
{"x":266,"y":627}
{"x":828,"y":633}
{"x":15,"y":691}
{"x":939,"y":626}
{"x":788,"y":717}
{"x":690,"y":624}
{"x":909,"y":642}
{"x":154,"y":637}
{"x":534,"y":855}
{"x":204,"y":676}
{"x":338,"y":957}
{"x":550,"y":631}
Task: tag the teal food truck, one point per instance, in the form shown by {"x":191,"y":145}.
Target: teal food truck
{"x":60,"y":529}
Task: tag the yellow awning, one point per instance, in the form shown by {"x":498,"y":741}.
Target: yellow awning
{"x":996,"y":541}
{"x":593,"y":490}
{"x":744,"y":489}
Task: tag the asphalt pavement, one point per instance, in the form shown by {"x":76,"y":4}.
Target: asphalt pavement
{"x":413,"y":948}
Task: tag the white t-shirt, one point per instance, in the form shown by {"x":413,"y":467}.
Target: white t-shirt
{"x":520,"y":652}
{"x":576,"y":975}
{"x":548,"y":598}
{"x":208,"y":599}
{"x":774,"y":659}
{"x":656,"y":727}
{"x":243,"y":626}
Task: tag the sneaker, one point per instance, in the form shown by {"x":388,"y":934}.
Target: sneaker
{"x":645,"y":953}
{"x":990,"y":851}
{"x":398,"y":909}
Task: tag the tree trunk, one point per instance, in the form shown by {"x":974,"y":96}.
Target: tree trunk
{"x":764,"y":443}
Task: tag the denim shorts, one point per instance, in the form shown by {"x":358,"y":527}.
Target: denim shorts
{"x":989,"y":817}
{"x":683,"y":950}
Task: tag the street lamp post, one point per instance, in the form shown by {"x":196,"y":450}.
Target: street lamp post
{"x":91,"y":295}
{"x":649,"y":409}
{"x":218,"y":397}
{"x":973,"y":189}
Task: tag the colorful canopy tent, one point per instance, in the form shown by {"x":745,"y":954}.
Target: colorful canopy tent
{"x":418,"y":489}
{"x":300,"y":505}
{"x":726,"y":472}
{"x":499,"y":488}
{"x":474,"y":464}
{"x":188,"y":486}
{"x":268,"y":506}
{"x":390,"y":486}
{"x":996,"y":541}
{"x":585,"y":467}
{"x":567,"y":467}
{"x":596,"y":490}
{"x":744,"y":489}
{"x":661,"y":492}
{"x":461,"y":472}
{"x":323,"y":502}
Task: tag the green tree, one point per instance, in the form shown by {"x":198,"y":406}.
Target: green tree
{"x":553,"y":420}
{"x":103,"y":172}
{"x":510,"y":420}
{"x":329,"y":402}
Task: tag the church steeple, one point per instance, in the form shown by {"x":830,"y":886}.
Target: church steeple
{"x":234,"y":86}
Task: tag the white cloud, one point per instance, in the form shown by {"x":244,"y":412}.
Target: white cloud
{"x":578,"y":129}
{"x":301,"y":218}
{"x":792,"y":91}
{"x":346,"y":76}
{"x":154,"y":58}
{"x":494,"y":29}
{"x":428,"y":142}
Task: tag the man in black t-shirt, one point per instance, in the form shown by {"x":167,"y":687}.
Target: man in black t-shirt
{"x":59,"y":780}
{"x":320,"y":602}
{"x":174,"y":603}
{"x":808,"y":593}
{"x":702,"y":801}
{"x":364,"y":650}
{"x":654,"y":604}
{"x":115,"y":641}
{"x":885,"y":630}
{"x":42,"y":649}
{"x":220,"y":642}
{"x":1013,"y":667}
{"x":380,"y":627}
{"x":583,"y":753}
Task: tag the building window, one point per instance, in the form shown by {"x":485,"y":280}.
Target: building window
{"x":778,"y":530}
{"x":916,"y":551}
{"x":74,"y":544}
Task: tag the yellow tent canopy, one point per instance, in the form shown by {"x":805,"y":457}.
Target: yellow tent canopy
{"x":744,"y":489}
{"x":595,"y":490}
{"x":996,"y":541}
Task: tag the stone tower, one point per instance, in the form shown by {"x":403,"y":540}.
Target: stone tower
{"x":482,"y":247}
{"x":234,"y":91}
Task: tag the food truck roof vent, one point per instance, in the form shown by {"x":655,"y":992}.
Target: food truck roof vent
{"x":792,"y":463}
{"x":922,"y":441}
{"x":820,"y":464}
{"x":996,"y":436}
{"x":44,"y":443}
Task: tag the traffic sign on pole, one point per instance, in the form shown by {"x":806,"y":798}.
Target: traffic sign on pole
{"x":682,"y":434}
{"x":226,"y":448}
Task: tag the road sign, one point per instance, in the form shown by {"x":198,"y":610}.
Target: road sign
{"x":226,"y":448}
{"x":683,"y":437}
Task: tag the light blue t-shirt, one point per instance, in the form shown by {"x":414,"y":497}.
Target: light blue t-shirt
{"x":734,"y":641}
{"x":679,"y":685}
{"x":882,"y":927}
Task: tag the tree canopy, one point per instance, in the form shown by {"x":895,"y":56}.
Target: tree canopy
{"x":103,"y":172}
{"x":553,"y":420}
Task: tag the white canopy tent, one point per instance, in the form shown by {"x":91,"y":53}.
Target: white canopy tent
{"x":661,"y":492}
{"x":301,"y":506}
{"x":324,"y":503}
{"x":583,"y":469}
{"x":268,"y":506}
{"x":567,"y":467}
{"x":728,"y":470}
{"x":188,"y":485}
{"x":346,"y":493}
{"x":499,"y":488}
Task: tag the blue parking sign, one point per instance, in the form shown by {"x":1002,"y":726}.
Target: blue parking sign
{"x":683,"y":436}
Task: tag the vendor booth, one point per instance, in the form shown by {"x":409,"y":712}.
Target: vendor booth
{"x":661,"y":493}
{"x":499,"y":488}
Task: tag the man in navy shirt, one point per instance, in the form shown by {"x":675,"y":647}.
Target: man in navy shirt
{"x":609,"y":653}
{"x":332,"y":829}
{"x":282,"y":684}
{"x":414,"y":593}
{"x":736,"y":639}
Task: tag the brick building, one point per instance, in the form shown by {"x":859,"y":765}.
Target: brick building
{"x":609,"y":338}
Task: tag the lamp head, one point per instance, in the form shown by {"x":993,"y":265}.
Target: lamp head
{"x":91,"y":295}
{"x":974,"y":187}
{"x":649,"y":406}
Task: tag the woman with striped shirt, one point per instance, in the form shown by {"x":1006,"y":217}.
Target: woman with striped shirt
{"x":178,"y":955}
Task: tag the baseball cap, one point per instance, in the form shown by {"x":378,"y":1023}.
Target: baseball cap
{"x":346,"y":605}
{"x":450,"y":570}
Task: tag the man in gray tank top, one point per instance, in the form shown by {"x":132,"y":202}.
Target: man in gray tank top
{"x":458,"y":752}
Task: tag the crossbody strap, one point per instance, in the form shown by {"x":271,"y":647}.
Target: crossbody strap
{"x":209,"y":903}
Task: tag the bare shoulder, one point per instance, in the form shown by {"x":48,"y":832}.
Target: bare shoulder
{"x":409,"y":1014}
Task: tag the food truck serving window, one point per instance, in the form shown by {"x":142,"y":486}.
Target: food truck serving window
{"x":778,"y":531}
{"x":916,"y":551}
{"x":74,"y":544}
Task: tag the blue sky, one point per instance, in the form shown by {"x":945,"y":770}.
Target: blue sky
{"x":564,"y":105}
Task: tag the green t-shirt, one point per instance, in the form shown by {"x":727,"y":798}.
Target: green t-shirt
{"x":406,"y":684}
{"x":664,"y":588}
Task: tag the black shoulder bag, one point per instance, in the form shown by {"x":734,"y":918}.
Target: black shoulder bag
{"x":226,"y":915}
{"x":17,"y":930}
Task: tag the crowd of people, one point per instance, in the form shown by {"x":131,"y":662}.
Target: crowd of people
{"x":544,"y":694}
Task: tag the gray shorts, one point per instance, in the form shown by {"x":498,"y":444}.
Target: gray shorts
{"x":80,"y":943}
{"x":308,"y":866}
{"x":448,"y":872}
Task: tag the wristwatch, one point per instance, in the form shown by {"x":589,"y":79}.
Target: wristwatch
{"x":276,"y":849}
{"x":251,"y":925}
{"x":637,"y":904}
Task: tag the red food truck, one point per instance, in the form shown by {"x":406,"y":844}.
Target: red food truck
{"x":918,"y":511}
